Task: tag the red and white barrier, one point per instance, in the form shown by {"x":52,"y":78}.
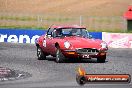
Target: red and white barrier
{"x":118,"y":40}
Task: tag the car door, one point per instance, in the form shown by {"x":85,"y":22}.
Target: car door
{"x":51,"y":42}
{"x":47,"y":41}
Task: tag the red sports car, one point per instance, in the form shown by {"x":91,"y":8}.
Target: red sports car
{"x":70,"y":42}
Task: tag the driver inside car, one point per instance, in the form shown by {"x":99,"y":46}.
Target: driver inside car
{"x":58,"y":33}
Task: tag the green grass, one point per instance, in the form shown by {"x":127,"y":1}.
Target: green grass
{"x":35,"y":18}
{"x":24,"y":18}
{"x":23,"y":27}
{"x":58,"y":19}
{"x":44,"y":28}
{"x":111,"y":30}
{"x":54,"y":20}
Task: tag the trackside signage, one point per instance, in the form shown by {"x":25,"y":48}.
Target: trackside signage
{"x":118,"y":40}
{"x":28,"y":35}
{"x":20,"y":35}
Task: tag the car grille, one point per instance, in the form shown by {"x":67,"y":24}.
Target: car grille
{"x":87,"y":51}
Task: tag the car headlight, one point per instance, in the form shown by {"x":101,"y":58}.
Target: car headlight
{"x":103,"y":45}
{"x":67,"y":44}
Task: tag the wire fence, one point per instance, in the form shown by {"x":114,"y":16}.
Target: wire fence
{"x":93,"y":23}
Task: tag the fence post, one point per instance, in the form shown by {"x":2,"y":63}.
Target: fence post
{"x":80,"y":20}
{"x":40,"y":20}
{"x":124,"y":24}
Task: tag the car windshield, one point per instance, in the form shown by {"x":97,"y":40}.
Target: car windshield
{"x":72,"y":32}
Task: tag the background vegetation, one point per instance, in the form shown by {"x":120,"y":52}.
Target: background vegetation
{"x":96,"y":15}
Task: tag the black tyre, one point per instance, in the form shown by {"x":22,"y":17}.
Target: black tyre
{"x":101,"y":59}
{"x":59,"y":56}
{"x":40,"y":54}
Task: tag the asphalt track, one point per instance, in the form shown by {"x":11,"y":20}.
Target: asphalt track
{"x":47,"y":73}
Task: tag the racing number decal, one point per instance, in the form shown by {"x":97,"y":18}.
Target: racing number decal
{"x":44,"y":43}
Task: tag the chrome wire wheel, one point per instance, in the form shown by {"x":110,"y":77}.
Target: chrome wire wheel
{"x":40,"y":54}
{"x":59,"y":56}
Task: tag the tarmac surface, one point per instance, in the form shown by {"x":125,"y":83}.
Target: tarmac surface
{"x":48,"y":73}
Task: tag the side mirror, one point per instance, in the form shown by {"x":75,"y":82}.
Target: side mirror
{"x":90,"y":36}
{"x":53,"y":34}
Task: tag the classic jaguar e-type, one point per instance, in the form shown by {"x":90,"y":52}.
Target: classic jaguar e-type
{"x":70,"y":42}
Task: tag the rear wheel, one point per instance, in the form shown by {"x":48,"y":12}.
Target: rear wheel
{"x":40,"y":54}
{"x":101,"y":59}
{"x":59,"y":56}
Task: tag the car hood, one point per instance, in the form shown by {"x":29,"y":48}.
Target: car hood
{"x":79,"y":42}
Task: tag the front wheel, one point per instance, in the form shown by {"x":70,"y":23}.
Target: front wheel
{"x":40,"y":54}
{"x":59,"y":56}
{"x":101,"y":59}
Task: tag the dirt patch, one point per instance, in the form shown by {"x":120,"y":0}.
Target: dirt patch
{"x":66,"y":7}
{"x":7,"y":74}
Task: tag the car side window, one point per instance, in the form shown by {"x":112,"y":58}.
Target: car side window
{"x":57,"y":33}
{"x":50,"y":30}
